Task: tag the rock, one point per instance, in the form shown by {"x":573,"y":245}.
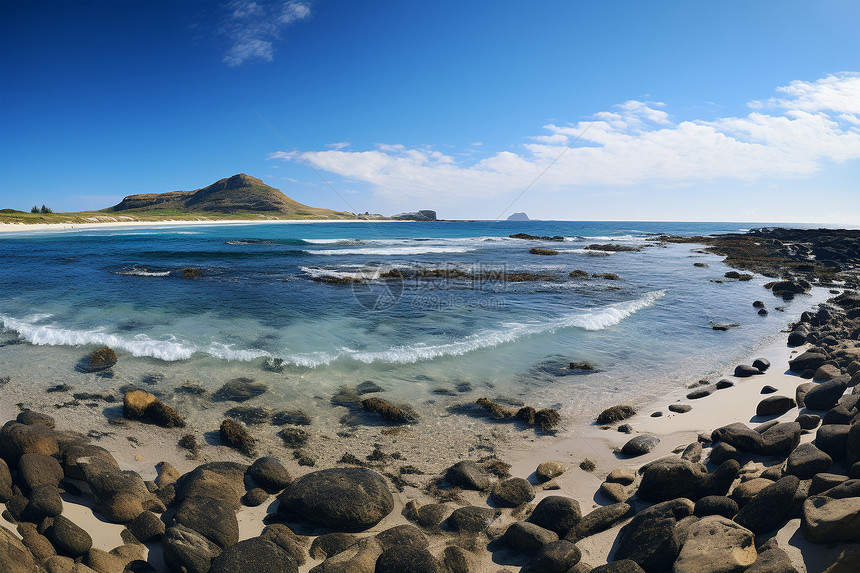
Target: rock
{"x":693,"y":452}
{"x":808,"y":360}
{"x":541,"y":251}
{"x":557,"y":513}
{"x":615,"y":414}
{"x":761,"y":363}
{"x":270,"y":474}
{"x":432,"y":515}
{"x":388,"y":411}
{"x":599,"y":520}
{"x":187,"y":550}
{"x":680,"y":408}
{"x":38,"y":469}
{"x":29,"y":417}
{"x":852,"y":445}
{"x":254,"y":555}
{"x":103,"y":562}
{"x":745,"y":491}
{"x":806,"y":461}
{"x":622,"y":566}
{"x":800,"y":393}
{"x":578,"y":274}
{"x":283,"y":537}
{"x":768,"y":389}
{"x":223,"y":481}
{"x":14,"y":556}
{"x":141,"y":405}
{"x":640,"y":445}
{"x":402,"y":536}
{"x":808,"y":421}
{"x":255,"y":497}
{"x":722,"y":452}
{"x":772,"y":559}
{"x":624,"y":476}
{"x":671,"y":478}
{"x":18,"y":439}
{"x":235,"y":435}
{"x":45,"y":501}
{"x":556,"y":557}
{"x":210,"y":517}
{"x":580,"y":365}
{"x":361,"y":557}
{"x":770,"y":508}
{"x":822,"y":482}
{"x":512,"y":492}
{"x":120,"y":495}
{"x":774,"y":406}
{"x":471,"y":519}
{"x":468,"y":475}
{"x":699,"y":393}
{"x":651,"y":538}
{"x":409,"y":558}
{"x":716,"y":505}
{"x":797,"y":338}
{"x":348,"y":499}
{"x":249,"y":415}
{"x":239,"y":390}
{"x":85,"y":453}
{"x":5,"y":482}
{"x":147,"y":527}
{"x":745,"y":371}
{"x":294,"y":437}
{"x":848,"y":488}
{"x":723,"y":384}
{"x":715,"y":544}
{"x":527,"y":536}
{"x":614,"y":491}
{"x":826,"y":372}
{"x":549,"y":470}
{"x":330,"y":544}
{"x":781,"y":438}
{"x":37,"y":543}
{"x":847,"y":562}
{"x":827,"y":520}
{"x":825,"y":395}
{"x":457,"y":560}
{"x":101,"y":359}
{"x":70,"y":538}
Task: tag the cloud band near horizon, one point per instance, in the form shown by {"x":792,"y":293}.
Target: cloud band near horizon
{"x":792,"y":135}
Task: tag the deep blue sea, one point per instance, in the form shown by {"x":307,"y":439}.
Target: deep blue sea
{"x":260,"y":294}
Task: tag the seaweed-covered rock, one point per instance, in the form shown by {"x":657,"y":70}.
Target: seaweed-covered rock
{"x":141,"y":405}
{"x":101,"y":359}
{"x":349,"y":499}
{"x":616,"y":414}
{"x":235,"y":435}
{"x":388,"y":411}
{"x":239,"y":390}
{"x":512,"y":492}
{"x":468,"y":475}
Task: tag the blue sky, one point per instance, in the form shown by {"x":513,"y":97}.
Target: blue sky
{"x":627,"y":110}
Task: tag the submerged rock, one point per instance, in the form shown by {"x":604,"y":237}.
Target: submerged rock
{"x":239,"y":390}
{"x":388,"y":411}
{"x":141,"y":405}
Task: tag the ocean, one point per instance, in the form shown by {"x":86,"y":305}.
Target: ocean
{"x":439,"y":317}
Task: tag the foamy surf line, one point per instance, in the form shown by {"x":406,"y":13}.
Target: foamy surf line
{"x":174,"y":349}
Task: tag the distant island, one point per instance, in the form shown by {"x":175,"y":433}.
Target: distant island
{"x":518,"y":217}
{"x":238,"y":197}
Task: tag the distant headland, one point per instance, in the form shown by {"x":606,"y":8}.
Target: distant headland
{"x":240,"y":197}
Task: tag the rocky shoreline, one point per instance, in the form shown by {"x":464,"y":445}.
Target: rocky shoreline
{"x":721,"y":502}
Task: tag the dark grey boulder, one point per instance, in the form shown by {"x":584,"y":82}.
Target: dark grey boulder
{"x":848,"y":488}
{"x":797,"y":338}
{"x":716,"y":505}
{"x":828,"y":520}
{"x":771,"y":559}
{"x":761,"y":363}
{"x":723,"y":384}
{"x":774,"y":406}
{"x":771,"y":507}
{"x":621,"y":566}
{"x":800,"y":393}
{"x":767,"y":389}
{"x":640,"y":445}
{"x":680,"y":408}
{"x":211,"y":517}
{"x":808,"y":421}
{"x":255,"y":497}
{"x":808,"y":360}
{"x":224,"y":481}
{"x":14,"y":556}
{"x":557,"y":513}
{"x":672,"y":478}
{"x":69,"y":537}
{"x":839,"y":414}
{"x":556,"y":557}
{"x":778,"y":439}
{"x":188,"y":550}
{"x":825,"y":395}
{"x":330,"y":544}
{"x":806,"y":460}
{"x":512,"y":492}
{"x":39,"y":469}
{"x":45,"y":501}
{"x":147,"y":527}
{"x":471,"y":519}
{"x":823,"y":481}
{"x":526,"y":536}
{"x":270,"y":474}
{"x":651,"y":538}
{"x":722,"y":452}
{"x":700,"y":393}
{"x":407,"y":558}
{"x":745,"y":371}
{"x":347,"y":499}
{"x":254,"y":555}
{"x":468,"y":475}
{"x":432,"y":515}
{"x":402,"y":536}
{"x":600,"y":519}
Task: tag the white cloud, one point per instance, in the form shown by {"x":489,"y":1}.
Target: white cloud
{"x":253,"y":28}
{"x":813,"y":123}
{"x":338,"y":145}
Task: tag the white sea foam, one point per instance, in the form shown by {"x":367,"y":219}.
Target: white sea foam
{"x":142,"y":272}
{"x":343,"y":242}
{"x":369,"y":274}
{"x":416,"y":250}
{"x":589,"y":252}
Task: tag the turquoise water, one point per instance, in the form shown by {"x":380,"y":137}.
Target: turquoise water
{"x":258,"y":296}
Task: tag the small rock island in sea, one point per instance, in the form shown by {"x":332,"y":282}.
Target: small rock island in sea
{"x":518,"y":217}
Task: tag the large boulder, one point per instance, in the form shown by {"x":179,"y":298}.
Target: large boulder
{"x":471,"y":519}
{"x":809,"y":360}
{"x":14,"y":556}
{"x":600,"y":519}
{"x":361,"y":557}
{"x":270,"y":474}
{"x":512,"y":492}
{"x":640,"y":445}
{"x":778,"y":439}
{"x":254,"y":555}
{"x":772,"y":559}
{"x":468,"y":475}
{"x":852,"y":445}
{"x":651,"y":538}
{"x":774,"y":406}
{"x":17,"y":439}
{"x":223,"y":481}
{"x":556,"y":557}
{"x":827,"y":520}
{"x":69,"y":537}
{"x":557,"y":513}
{"x":715,"y":544}
{"x":832,"y":439}
{"x":348,"y":499}
{"x":825,"y":395}
{"x":806,"y":460}
{"x":672,"y":478}
{"x":187,"y":550}
{"x":120,"y":495}
{"x":38,"y":469}
{"x":399,"y":559}
{"x":211,"y":517}
{"x":526,"y":536}
{"x":5,"y":482}
{"x":771,"y":507}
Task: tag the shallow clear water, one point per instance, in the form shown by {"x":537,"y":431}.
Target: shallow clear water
{"x":258,"y":296}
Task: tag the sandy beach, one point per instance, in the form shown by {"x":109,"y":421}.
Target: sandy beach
{"x":54,"y":227}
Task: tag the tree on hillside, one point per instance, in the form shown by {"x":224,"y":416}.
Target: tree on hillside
{"x":35,"y":209}
{"x":46,"y":210}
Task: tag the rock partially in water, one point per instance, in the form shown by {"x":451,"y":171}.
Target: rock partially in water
{"x":616,"y":414}
{"x":388,"y":411}
{"x":239,"y":390}
{"x":235,"y":435}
